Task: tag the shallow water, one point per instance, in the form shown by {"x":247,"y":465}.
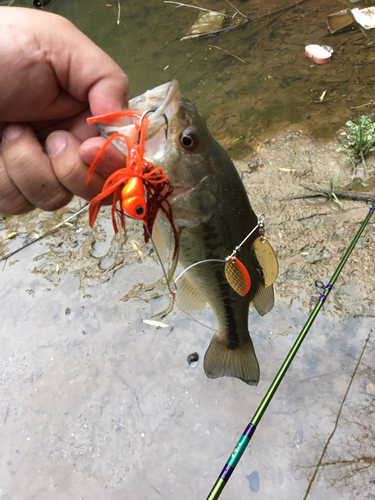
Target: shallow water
{"x":97,"y":404}
{"x":274,"y":86}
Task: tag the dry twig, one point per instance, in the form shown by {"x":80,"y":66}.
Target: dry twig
{"x":215,"y":47}
{"x":237,"y":11}
{"x":118,"y":11}
{"x":340,"y":194}
{"x":179,"y":4}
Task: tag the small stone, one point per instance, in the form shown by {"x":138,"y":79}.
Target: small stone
{"x":192,"y":359}
{"x":370,"y":388}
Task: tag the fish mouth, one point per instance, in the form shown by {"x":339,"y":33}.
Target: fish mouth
{"x":162,"y":104}
{"x":163,"y":100}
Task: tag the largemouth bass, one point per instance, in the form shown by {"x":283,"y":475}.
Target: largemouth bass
{"x":213,"y":215}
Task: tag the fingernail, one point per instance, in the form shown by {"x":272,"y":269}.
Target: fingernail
{"x":12,"y":132}
{"x":55,"y":143}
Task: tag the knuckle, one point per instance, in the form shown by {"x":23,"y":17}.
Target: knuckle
{"x":16,"y":206}
{"x":56,"y":200}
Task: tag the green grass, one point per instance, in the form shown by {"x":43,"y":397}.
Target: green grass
{"x":360,"y":140}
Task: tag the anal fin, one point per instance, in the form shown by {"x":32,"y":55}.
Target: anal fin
{"x":264,"y":299}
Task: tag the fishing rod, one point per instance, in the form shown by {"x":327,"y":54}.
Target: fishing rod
{"x":250,"y":429}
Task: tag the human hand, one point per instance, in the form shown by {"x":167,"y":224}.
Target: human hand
{"x":52,"y":78}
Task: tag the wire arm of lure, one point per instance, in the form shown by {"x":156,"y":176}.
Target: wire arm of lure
{"x":230,"y":257}
{"x":260,"y":224}
{"x":195,"y":264}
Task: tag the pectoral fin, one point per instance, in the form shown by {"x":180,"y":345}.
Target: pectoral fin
{"x":164,"y":241}
{"x":159,"y":242}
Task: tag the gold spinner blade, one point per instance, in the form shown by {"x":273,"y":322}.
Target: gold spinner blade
{"x":264,"y":261}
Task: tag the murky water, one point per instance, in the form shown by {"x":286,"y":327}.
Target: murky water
{"x":97,"y":404}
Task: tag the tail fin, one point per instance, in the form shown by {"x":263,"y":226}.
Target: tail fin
{"x":241,"y":362}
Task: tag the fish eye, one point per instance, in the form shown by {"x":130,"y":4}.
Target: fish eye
{"x":139,"y":210}
{"x":189,"y":139}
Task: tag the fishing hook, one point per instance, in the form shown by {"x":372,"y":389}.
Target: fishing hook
{"x":153,"y":111}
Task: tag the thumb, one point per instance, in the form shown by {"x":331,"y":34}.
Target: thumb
{"x":110,"y":93}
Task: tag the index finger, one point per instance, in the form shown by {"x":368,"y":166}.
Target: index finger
{"x":85,"y":71}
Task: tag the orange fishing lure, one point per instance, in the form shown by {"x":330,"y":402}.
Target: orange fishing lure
{"x":141,"y":188}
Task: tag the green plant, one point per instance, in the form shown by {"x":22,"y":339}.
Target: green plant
{"x":360,"y":140}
